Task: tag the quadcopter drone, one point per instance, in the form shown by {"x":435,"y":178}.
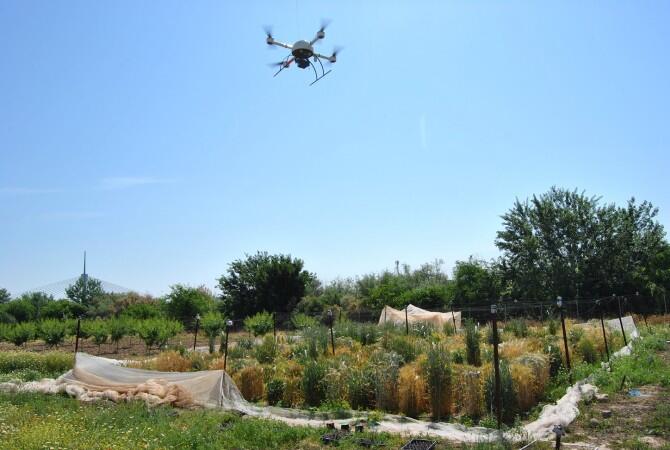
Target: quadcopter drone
{"x":302,"y":53}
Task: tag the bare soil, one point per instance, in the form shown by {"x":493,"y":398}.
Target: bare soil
{"x":632,"y":423}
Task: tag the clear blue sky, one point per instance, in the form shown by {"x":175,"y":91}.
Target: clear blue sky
{"x":152,"y":134}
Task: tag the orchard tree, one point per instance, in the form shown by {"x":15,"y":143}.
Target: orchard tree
{"x":263,"y":282}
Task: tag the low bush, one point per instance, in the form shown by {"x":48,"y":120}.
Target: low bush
{"x":259,"y":324}
{"x":275,"y":391}
{"x":587,"y":351}
{"x":267,"y":351}
{"x":518,"y":327}
{"x":301,"y":321}
{"x":403,"y":346}
{"x":47,"y":363}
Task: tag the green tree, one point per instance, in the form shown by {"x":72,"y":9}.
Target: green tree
{"x":565,"y":243}
{"x":5,"y":296}
{"x":263,"y":282}
{"x":475,"y":281}
{"x":183,"y":303}
{"x":85,"y":290}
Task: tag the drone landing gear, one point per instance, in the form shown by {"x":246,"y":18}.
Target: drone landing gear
{"x":316,"y":73}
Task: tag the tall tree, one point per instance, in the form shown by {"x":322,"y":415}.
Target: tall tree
{"x":85,"y":290}
{"x":565,"y":243}
{"x":183,"y":303}
{"x":475,"y":281}
{"x":5,"y":296}
{"x":263,"y":282}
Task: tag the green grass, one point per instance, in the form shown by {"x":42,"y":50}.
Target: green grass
{"x":30,"y":421}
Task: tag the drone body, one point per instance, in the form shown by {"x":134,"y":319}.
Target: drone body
{"x":303,"y":53}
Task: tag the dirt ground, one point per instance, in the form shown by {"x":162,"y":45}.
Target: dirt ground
{"x":635,"y":423}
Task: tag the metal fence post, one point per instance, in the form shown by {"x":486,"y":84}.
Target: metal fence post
{"x":197,"y":325}
{"x":559,"y":303}
{"x":496,"y":361}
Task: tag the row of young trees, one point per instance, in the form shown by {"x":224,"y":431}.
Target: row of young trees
{"x":561,"y":243}
{"x":153,"y":332}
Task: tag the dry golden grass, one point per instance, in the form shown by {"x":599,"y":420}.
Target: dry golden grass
{"x":468,"y":391}
{"x":530,"y":374}
{"x":292,"y":393}
{"x":412,"y":399}
{"x":250,"y":382}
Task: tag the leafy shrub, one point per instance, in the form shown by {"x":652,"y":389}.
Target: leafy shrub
{"x":553,"y":326}
{"x":212,"y":324}
{"x":52,"y":331}
{"x":472,"y":338}
{"x":437,"y":372}
{"x":518,"y":327}
{"x":458,"y":356}
{"x":587,"y":350}
{"x":142,"y":311}
{"x":421,"y":329}
{"x":21,"y":333}
{"x":275,"y":391}
{"x":259,"y":324}
{"x":301,"y":321}
{"x":403,"y":346}
{"x":555,"y":359}
{"x":575,"y":335}
{"x":267,"y":351}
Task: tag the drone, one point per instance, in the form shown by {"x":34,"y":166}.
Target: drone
{"x":302,"y":53}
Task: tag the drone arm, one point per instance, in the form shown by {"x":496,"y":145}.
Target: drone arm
{"x":281,"y":44}
{"x":324,"y":57}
